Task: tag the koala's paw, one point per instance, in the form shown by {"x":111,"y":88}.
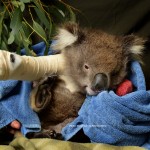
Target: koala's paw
{"x":45,"y":134}
{"x":8,"y":64}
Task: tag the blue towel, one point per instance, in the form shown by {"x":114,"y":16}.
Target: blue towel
{"x":14,"y":100}
{"x":112,"y":119}
{"x":105,"y":118}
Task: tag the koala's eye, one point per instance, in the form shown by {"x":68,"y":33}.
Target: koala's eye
{"x":86,"y":66}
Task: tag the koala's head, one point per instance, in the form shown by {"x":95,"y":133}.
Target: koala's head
{"x":95,"y":60}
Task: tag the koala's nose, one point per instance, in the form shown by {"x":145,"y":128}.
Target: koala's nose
{"x":100,"y":82}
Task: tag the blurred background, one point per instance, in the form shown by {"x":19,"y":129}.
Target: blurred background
{"x":114,"y":16}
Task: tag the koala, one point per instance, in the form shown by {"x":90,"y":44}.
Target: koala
{"x":95,"y":61}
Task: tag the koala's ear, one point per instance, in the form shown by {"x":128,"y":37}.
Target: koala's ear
{"x":67,"y":35}
{"x":133,"y":45}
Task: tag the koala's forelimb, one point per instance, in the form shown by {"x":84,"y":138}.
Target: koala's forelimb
{"x":16,"y":67}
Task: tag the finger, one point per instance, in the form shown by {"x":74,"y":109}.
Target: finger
{"x":15,"y":124}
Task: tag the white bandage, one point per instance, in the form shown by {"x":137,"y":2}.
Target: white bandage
{"x":13,"y":66}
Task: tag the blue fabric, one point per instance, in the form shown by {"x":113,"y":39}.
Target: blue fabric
{"x":14,"y":100}
{"x":105,"y":118}
{"x":118,"y":120}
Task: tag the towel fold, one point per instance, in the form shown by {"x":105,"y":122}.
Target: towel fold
{"x":112,"y":119}
{"x":14,"y":100}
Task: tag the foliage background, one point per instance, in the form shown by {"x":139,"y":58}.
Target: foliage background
{"x":24,"y":23}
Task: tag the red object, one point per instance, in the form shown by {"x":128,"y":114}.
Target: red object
{"x":124,"y":88}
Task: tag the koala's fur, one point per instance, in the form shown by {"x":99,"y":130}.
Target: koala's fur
{"x":87,"y":52}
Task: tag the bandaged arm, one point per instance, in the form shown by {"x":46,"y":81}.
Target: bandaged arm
{"x":16,"y":67}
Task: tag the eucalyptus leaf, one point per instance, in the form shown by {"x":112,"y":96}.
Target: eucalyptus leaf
{"x":57,"y":15}
{"x":26,"y":29}
{"x":16,"y":21}
{"x":11,"y":38}
{"x":3,"y":46}
{"x":50,"y":31}
{"x":42,"y":17}
{"x":39,"y":30}
{"x":15,"y":3}
{"x":22,"y":6}
{"x":1,"y":23}
{"x":25,"y":1}
{"x":17,"y":16}
{"x":67,"y":10}
{"x":5,"y":29}
{"x":46,"y":20}
{"x":37,"y":3}
{"x":28,"y":50}
{"x":26,"y":41}
{"x":5,"y":38}
{"x":26,"y":45}
{"x":72,"y":15}
{"x":24,"y":37}
{"x":18,"y":38}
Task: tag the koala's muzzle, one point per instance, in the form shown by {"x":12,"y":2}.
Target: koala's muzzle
{"x":100,"y":82}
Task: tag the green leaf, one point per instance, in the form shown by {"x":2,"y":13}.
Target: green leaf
{"x":11,"y":38}
{"x":5,"y":29}
{"x":16,"y":20}
{"x":39,"y":30}
{"x":15,"y":3}
{"x":19,"y":4}
{"x":5,"y":38}
{"x":26,"y":29}
{"x":3,"y":46}
{"x":18,"y":38}
{"x":24,"y":37}
{"x":15,"y":25}
{"x":37,"y":4}
{"x":26,"y":41}
{"x":45,"y":20}
{"x":22,"y":6}
{"x":57,"y":15}
{"x":1,"y":23}
{"x":26,"y":45}
{"x":42,"y":17}
{"x":67,"y":10}
{"x":25,"y":1}
{"x":72,"y":15}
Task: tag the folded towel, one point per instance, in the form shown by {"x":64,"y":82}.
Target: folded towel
{"x":112,"y":119}
{"x":14,"y":100}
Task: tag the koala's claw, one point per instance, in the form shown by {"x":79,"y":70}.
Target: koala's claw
{"x":45,"y":134}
